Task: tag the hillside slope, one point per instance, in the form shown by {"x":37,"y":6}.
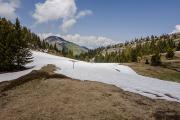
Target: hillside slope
{"x":134,"y":51}
{"x":66,"y":46}
{"x":109,"y":73}
{"x":47,"y":96}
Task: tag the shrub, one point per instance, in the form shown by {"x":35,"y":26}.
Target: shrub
{"x":156,"y":59}
{"x":170,"y":54}
{"x":147,"y":61}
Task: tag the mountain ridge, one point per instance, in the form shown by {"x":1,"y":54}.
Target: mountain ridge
{"x":65,"y":45}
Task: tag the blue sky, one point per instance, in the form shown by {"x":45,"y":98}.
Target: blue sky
{"x":126,"y":19}
{"x":118,"y":20}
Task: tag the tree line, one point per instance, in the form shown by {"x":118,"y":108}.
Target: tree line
{"x":134,"y":51}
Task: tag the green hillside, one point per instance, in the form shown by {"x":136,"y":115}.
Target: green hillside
{"x":65,"y":46}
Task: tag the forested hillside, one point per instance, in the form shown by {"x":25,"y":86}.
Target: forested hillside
{"x":15,"y":44}
{"x":133,"y":51}
{"x":67,"y":48}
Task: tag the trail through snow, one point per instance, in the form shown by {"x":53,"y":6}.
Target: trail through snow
{"x":110,"y":73}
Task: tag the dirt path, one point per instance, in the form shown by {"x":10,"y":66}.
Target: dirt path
{"x":62,"y":98}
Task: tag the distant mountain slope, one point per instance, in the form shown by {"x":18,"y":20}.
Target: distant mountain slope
{"x":134,"y":51}
{"x":66,"y":45}
{"x":132,"y":44}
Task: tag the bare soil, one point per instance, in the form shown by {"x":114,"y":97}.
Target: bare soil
{"x":53,"y":97}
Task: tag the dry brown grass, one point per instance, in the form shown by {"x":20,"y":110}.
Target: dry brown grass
{"x":170,"y":69}
{"x":160,"y":72}
{"x":49,"y":68}
{"x":44,"y":73}
{"x":61,"y":98}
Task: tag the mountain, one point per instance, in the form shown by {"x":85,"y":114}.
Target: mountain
{"x":66,"y":45}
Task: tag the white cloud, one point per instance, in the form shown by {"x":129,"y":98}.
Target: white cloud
{"x":67,"y":25}
{"x":65,"y":10}
{"x":177,"y":29}
{"x":8,"y":8}
{"x":54,"y":10}
{"x":87,"y":41}
{"x":83,"y":13}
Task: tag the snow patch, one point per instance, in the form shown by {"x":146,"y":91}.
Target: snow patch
{"x":119,"y":75}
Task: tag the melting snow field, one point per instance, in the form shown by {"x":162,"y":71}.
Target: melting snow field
{"x":110,"y":73}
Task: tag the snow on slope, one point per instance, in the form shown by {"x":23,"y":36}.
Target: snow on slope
{"x":110,"y":73}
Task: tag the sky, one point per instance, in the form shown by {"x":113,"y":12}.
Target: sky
{"x":94,"y":23}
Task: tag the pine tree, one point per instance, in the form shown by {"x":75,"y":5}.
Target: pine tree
{"x":55,"y":47}
{"x":171,"y":43}
{"x":6,"y":45}
{"x":134,"y":55}
{"x":43,"y":44}
{"x":23,"y":54}
{"x":64,"y":52}
{"x":14,"y":51}
{"x":153,"y":46}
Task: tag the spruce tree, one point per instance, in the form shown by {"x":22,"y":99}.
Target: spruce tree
{"x":55,"y":47}
{"x":14,"y":51}
{"x":134,"y":55}
{"x":23,"y":54}
{"x":6,"y":45}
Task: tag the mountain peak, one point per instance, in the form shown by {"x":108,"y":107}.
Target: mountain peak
{"x":55,"y":39}
{"x":66,"y":45}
